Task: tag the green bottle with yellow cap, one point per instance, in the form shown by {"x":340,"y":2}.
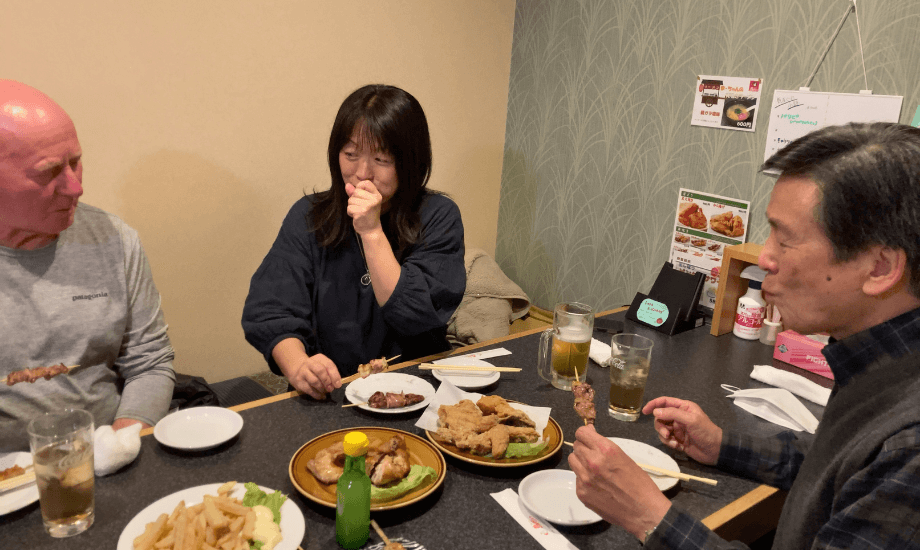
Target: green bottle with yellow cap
{"x":353,"y":495}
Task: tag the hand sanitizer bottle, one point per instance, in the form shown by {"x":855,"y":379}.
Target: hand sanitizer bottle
{"x":751,"y":306}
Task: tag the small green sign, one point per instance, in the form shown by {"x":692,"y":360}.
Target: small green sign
{"x":652,"y":312}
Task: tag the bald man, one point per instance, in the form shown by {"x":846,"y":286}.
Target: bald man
{"x":76,"y":285}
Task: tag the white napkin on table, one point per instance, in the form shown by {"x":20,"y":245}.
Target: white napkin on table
{"x":599,"y":352}
{"x":112,"y":450}
{"x":776,"y":405}
{"x":795,"y":383}
{"x":541,"y":531}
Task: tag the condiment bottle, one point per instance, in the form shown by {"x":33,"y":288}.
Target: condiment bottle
{"x":749,"y":315}
{"x":353,"y":495}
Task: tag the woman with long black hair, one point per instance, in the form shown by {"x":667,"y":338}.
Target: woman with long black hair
{"x":373,"y":266}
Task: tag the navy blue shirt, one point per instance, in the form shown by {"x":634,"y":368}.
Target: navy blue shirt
{"x":314,"y":293}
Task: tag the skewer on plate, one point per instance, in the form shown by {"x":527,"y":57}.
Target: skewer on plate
{"x":669,"y":473}
{"x":388,"y":545}
{"x":18,"y":481}
{"x":436,"y":366}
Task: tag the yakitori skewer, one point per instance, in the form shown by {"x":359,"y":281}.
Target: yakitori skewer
{"x":33,"y":374}
{"x":373,"y":367}
{"x":18,"y":481}
{"x":669,"y":473}
{"x":388,"y":545}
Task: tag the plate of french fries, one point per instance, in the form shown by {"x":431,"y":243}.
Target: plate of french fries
{"x":214,"y":518}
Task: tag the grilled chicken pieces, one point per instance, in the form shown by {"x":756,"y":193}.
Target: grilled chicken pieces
{"x":389,"y":400}
{"x":375,"y":366}
{"x":385,"y":462}
{"x":584,"y":401}
{"x":31,"y":375}
{"x":485,"y":427}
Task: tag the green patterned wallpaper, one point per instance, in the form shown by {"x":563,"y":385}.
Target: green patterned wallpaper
{"x":598,"y":138}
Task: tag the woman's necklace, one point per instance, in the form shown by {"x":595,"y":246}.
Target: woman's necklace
{"x":366,"y":278}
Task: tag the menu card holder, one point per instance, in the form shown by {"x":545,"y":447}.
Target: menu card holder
{"x":671,"y":305}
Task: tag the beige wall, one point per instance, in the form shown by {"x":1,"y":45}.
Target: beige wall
{"x":202,"y":122}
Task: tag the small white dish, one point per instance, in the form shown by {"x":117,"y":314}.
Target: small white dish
{"x":466,"y":379}
{"x":18,"y":498}
{"x":198,"y":428}
{"x":292,"y":522}
{"x":550,"y":494}
{"x":362,"y":389}
{"x":646,"y":454}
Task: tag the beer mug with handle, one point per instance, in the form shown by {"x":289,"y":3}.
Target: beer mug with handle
{"x":563,"y":354}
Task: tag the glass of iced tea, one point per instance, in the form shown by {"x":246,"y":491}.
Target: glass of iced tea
{"x":62,"y":455}
{"x":630,"y":359}
{"x":563,"y":354}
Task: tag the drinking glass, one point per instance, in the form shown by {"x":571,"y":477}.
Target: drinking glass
{"x":563,"y":354}
{"x":62,"y":455}
{"x":630,"y":359}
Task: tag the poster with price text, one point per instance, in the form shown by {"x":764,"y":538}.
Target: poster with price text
{"x":728,"y":102}
{"x":704,"y":225}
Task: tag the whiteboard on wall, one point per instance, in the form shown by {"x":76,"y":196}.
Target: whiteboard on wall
{"x":796,"y":113}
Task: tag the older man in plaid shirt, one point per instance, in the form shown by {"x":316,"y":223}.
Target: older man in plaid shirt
{"x":843,"y":257}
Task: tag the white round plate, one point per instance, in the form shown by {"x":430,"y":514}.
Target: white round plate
{"x":550,"y":494}
{"x":466,"y":379}
{"x":646,"y":454}
{"x":292,"y":522}
{"x":198,"y":428}
{"x":10,"y":501}
{"x":362,"y":389}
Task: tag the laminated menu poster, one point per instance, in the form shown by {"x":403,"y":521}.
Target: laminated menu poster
{"x":729,"y":102}
{"x":704,"y":225}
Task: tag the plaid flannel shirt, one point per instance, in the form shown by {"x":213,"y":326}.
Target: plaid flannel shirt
{"x":883,"y":500}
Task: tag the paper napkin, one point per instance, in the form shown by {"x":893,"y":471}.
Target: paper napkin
{"x":599,"y":352}
{"x":540,"y":530}
{"x":113,"y":450}
{"x":798,"y":385}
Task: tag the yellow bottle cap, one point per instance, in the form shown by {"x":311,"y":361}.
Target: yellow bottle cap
{"x":355,"y":444}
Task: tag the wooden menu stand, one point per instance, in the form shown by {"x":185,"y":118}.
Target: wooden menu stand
{"x":731,"y":285}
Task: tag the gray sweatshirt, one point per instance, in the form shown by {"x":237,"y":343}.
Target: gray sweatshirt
{"x":86,"y":299}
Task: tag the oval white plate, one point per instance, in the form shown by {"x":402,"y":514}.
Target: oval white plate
{"x":362,"y":389}
{"x":646,"y":454}
{"x":198,"y":428}
{"x":21,"y":497}
{"x":550,"y":494}
{"x":292,"y":522}
{"x":466,"y":379}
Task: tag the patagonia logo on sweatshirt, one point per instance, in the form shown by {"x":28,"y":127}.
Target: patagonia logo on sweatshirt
{"x":90,"y":296}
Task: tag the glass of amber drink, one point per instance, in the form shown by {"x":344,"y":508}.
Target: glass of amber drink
{"x":563,"y":355}
{"x":62,"y":455}
{"x":630,"y":360}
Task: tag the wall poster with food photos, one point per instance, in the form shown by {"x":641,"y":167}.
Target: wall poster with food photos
{"x":704,"y":225}
{"x":729,"y":102}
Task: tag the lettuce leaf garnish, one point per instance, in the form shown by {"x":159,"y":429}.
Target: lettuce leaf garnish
{"x":418,"y":475}
{"x":523,"y":450}
{"x":257,"y":497}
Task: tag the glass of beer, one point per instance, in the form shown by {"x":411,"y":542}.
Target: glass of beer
{"x":62,"y":455}
{"x":630,"y":358}
{"x":563,"y":354}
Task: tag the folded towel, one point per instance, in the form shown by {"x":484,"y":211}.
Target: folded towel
{"x":599,"y":353}
{"x":798,"y":385}
{"x":112,"y":450}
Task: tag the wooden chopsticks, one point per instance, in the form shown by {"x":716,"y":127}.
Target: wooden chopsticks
{"x":18,"y":481}
{"x":669,"y":473}
{"x":437,"y":366}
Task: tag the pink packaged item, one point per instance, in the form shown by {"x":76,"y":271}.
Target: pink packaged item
{"x":801,"y":351}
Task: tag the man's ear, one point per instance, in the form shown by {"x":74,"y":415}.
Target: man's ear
{"x":888,"y":269}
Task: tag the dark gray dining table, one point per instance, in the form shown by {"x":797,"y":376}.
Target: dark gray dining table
{"x":461,"y":513}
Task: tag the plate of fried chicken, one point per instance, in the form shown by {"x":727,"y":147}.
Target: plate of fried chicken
{"x":316,"y":466}
{"x":390,"y":393}
{"x":489,"y":430}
